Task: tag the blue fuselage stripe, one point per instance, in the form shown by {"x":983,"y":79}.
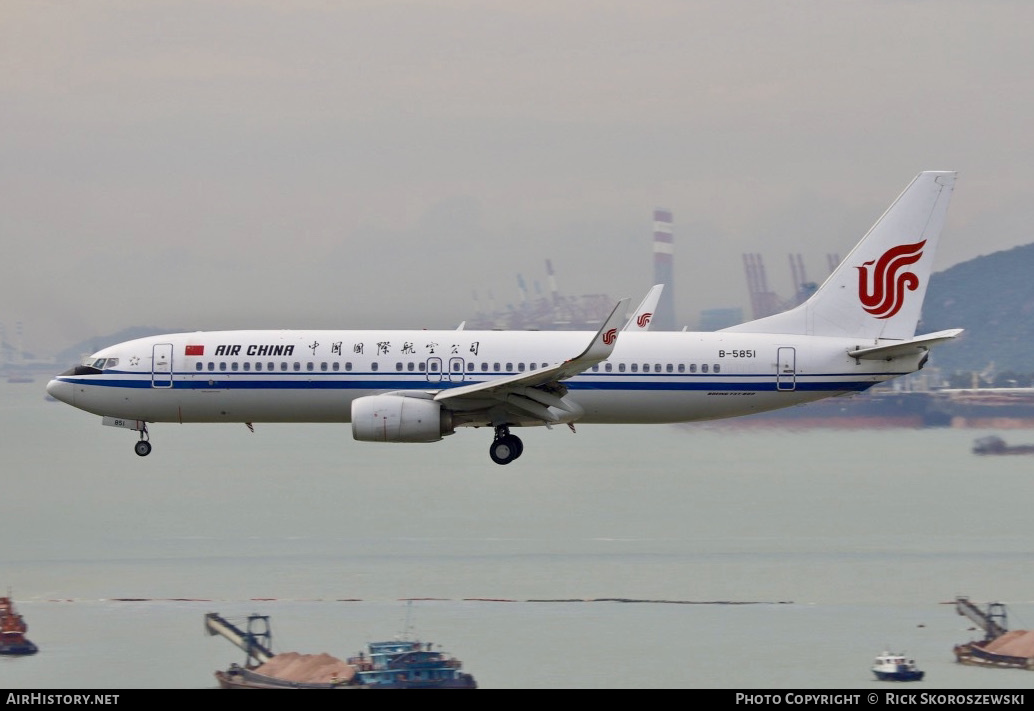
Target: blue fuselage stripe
{"x":373,"y":381}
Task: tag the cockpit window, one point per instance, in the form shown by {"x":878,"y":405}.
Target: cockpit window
{"x":102,"y":363}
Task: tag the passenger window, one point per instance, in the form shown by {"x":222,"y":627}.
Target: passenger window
{"x":211,"y":366}
{"x":247,"y":366}
{"x":646,"y":367}
{"x":410,"y":366}
{"x":703,"y":368}
{"x":608,"y":367}
{"x":669,"y":368}
{"x":336,"y":366}
{"x":520,"y":367}
{"x":373,"y":366}
{"x":222,"y":366}
{"x":269,"y":366}
{"x":621,"y":367}
{"x":233,"y":365}
{"x":398,"y":366}
{"x":635,"y":367}
{"x":682,"y":367}
{"x":323,"y":366}
{"x":692,"y":367}
{"x":309,"y":366}
{"x":258,"y":365}
{"x":283,"y":365}
{"x":717,"y":367}
{"x":297,"y":366}
{"x":509,"y":367}
{"x":470,"y":367}
{"x":596,"y":368}
{"x":496,"y":367}
{"x":484,"y":367}
{"x":348,"y":366}
{"x":199,"y":366}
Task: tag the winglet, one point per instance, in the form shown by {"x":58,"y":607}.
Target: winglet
{"x":640,"y":320}
{"x":599,"y":349}
{"x":602,"y":344}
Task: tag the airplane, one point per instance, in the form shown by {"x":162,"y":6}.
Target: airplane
{"x":857,"y":330}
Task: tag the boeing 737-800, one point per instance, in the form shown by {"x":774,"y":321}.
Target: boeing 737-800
{"x":855,"y":331}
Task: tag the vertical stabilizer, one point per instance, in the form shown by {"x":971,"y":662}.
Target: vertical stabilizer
{"x":877,"y":291}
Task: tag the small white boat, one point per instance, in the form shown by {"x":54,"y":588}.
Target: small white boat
{"x":891,"y":666}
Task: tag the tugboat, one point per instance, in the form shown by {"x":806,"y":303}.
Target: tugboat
{"x":891,"y":666}
{"x":408,"y":664}
{"x":398,"y":664}
{"x":12,"y":630}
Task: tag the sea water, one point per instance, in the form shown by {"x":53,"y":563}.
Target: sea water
{"x":670,"y":556}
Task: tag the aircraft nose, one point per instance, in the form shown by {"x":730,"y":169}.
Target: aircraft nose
{"x":60,"y":390}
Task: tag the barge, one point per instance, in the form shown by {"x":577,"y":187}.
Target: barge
{"x":1000,"y":648}
{"x":395,"y":664}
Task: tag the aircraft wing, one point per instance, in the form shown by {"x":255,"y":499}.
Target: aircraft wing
{"x":912,"y":346}
{"x":517,"y":389}
{"x":640,"y":320}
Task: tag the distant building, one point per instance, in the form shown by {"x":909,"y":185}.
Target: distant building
{"x":717,"y":319}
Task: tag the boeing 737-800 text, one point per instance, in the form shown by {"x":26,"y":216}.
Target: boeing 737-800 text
{"x":856,"y":330}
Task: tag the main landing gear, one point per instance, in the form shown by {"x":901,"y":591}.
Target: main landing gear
{"x":143,"y":447}
{"x":506,"y":447}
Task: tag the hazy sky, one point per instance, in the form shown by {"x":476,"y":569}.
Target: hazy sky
{"x":235,"y":164}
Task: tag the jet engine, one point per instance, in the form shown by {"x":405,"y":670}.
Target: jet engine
{"x":396,"y":418}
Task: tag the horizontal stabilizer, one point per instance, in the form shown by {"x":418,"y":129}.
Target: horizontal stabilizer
{"x":910,"y":347}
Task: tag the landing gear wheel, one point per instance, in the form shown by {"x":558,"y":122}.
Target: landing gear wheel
{"x":518,"y":445}
{"x":142,"y":448}
{"x":506,"y":447}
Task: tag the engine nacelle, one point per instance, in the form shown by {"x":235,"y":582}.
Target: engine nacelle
{"x":394,"y":418}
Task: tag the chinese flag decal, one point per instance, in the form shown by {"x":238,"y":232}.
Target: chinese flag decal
{"x":195,"y":350}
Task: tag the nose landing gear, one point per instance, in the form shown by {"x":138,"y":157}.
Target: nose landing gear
{"x":506,"y":447}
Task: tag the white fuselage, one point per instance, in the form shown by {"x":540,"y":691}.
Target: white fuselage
{"x":313,"y":376}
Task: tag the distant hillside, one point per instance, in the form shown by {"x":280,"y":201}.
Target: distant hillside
{"x":992,"y":297}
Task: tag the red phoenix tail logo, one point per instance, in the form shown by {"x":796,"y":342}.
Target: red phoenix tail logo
{"x":643,"y":320}
{"x":883,"y":294}
{"x":610,"y":335}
